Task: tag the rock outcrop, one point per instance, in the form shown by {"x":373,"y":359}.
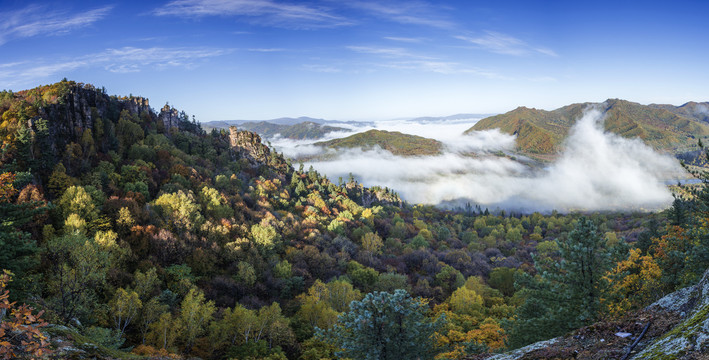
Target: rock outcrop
{"x":675,"y":327}
{"x":691,"y":337}
{"x":248,"y":146}
{"x":170,"y":118}
{"x":78,"y":109}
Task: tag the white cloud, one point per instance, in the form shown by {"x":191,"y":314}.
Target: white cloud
{"x":35,"y":20}
{"x":500,"y":43}
{"x":263,"y":12}
{"x":322,"y":68}
{"x":266,"y":50}
{"x":403,"y":59}
{"x":121,"y":60}
{"x":404,"y":39}
{"x":390,"y":52}
{"x":596,"y":171}
{"x":406,"y":12}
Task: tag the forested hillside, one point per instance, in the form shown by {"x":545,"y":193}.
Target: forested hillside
{"x":665,"y":127}
{"x":392,"y":141}
{"x":140,"y":234}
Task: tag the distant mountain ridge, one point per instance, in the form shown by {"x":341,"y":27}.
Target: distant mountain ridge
{"x":392,"y":141}
{"x":539,"y":132}
{"x":298,"y":131}
{"x":450,"y":117}
{"x":279,"y":121}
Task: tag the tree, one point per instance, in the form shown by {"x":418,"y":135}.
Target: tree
{"x":567,"y":295}
{"x":125,"y":307}
{"x":372,"y":242}
{"x":17,"y":249}
{"x":234,"y":328}
{"x":502,"y":279}
{"x":21,"y":334}
{"x":314,"y":307}
{"x":632,"y":283}
{"x":164,"y":331}
{"x":584,"y":260}
{"x":76,"y":200}
{"x":59,"y":181}
{"x":146,"y":283}
{"x":180,"y":210}
{"x":385,"y":326}
{"x":195,"y":314}
{"x":466,"y":301}
{"x":449,"y":279}
{"x":264,"y":236}
{"x":78,"y":268}
{"x":151,"y":312}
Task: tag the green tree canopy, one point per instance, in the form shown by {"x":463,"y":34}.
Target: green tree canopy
{"x":385,"y":326}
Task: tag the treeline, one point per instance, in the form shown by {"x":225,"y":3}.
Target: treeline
{"x":164,"y":239}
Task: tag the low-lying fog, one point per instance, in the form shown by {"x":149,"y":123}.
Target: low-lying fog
{"x":596,"y":171}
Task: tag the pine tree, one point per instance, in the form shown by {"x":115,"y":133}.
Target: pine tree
{"x":577,"y":278}
{"x":567,"y":294}
{"x":18,"y":251}
{"x":385,"y":326}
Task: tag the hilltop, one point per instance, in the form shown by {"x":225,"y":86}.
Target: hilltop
{"x":664,"y":127}
{"x":392,"y":141}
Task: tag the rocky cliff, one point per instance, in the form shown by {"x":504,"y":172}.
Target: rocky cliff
{"x":79,"y":107}
{"x":248,"y":146}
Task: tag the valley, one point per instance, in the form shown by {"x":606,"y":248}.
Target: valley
{"x":155,"y":218}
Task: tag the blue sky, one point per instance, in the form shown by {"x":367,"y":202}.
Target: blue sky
{"x":361,"y":59}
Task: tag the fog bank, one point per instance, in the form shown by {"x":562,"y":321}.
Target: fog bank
{"x":596,"y":171}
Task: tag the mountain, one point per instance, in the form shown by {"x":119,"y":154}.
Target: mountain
{"x":694,"y":110}
{"x":425,"y":119}
{"x":299,"y":131}
{"x":541,"y":132}
{"x":392,"y":141}
{"x":223,"y":124}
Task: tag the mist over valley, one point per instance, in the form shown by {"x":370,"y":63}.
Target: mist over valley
{"x":594,"y":170}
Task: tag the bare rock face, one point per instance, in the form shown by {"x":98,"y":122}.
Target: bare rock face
{"x":79,"y":108}
{"x":248,"y":146}
{"x":691,"y":336}
{"x":169,"y":117}
{"x":677,"y":328}
{"x":138,"y":105}
{"x":248,"y":143}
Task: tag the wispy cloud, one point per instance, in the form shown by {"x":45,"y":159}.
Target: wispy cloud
{"x":404,"y":39}
{"x":500,"y":43}
{"x":122,"y":60}
{"x":321,"y":68}
{"x":405,"y":12}
{"x":131,"y":59}
{"x":442,"y":67}
{"x":266,"y":50}
{"x":390,"y":52}
{"x":263,"y":12}
{"x":403,"y":59}
{"x":36,"y":20}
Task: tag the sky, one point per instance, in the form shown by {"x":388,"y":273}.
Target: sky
{"x":361,"y":59}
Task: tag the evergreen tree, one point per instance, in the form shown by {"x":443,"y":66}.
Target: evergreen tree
{"x":385,"y":326}
{"x":567,"y":294}
{"x":18,"y":251}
